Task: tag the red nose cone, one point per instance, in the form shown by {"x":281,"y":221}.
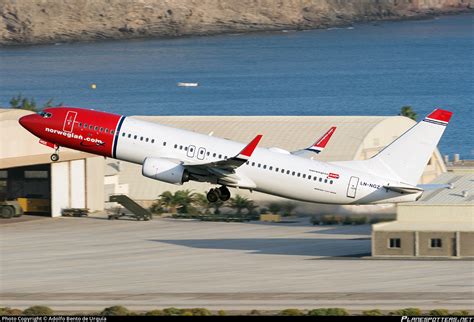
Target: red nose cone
{"x":27,"y":121}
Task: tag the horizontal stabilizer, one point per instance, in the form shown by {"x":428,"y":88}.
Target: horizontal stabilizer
{"x":435,"y":186}
{"x":404,"y":189}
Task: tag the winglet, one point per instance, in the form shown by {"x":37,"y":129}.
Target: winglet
{"x":248,"y":150}
{"x":321,"y":143}
{"x":439,"y":115}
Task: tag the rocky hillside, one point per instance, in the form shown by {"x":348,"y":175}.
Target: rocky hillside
{"x":50,"y":21}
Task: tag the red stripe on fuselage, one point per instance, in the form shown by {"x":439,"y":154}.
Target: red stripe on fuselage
{"x":79,"y":129}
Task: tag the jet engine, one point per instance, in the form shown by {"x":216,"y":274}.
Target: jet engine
{"x":164,"y":170}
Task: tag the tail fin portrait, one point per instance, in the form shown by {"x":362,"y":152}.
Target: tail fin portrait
{"x":407,"y":156}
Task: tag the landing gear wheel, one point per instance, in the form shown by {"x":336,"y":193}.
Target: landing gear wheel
{"x":54,"y":157}
{"x":224,"y":193}
{"x":212,"y":195}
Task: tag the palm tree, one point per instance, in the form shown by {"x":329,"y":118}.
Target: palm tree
{"x":239,"y":203}
{"x":274,"y":208}
{"x":168,"y":200}
{"x":185,"y":200}
{"x":202,"y":203}
{"x":288,"y":208}
{"x":408,"y":112}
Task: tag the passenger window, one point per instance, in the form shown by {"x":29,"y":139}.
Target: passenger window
{"x":264,"y":166}
{"x":320,"y":179}
{"x":175,"y":146}
{"x":80,"y":124}
{"x":287,"y":171}
{"x":330,"y":182}
{"x":208,"y":153}
{"x":304,"y":176}
{"x":123,"y":134}
{"x":309,"y":177}
{"x":134,"y":137}
{"x":129,"y":136}
{"x":180,"y":147}
{"x":111,"y":131}
{"x":299,"y":174}
{"x":107,"y":131}
{"x":90,"y":127}
{"x":185,"y":148}
{"x":276,"y":169}
{"x":214,"y":155}
{"x":315,"y":178}
{"x":270,"y":168}
{"x":152,"y":140}
{"x":325,"y":180}
{"x":253,"y":164}
{"x":220,"y":156}
{"x":259,"y":165}
{"x":101,"y":129}
{"x":293,"y":173}
{"x":96,"y":128}
{"x":146,"y":140}
{"x":164,"y":143}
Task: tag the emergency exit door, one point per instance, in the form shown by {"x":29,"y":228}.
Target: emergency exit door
{"x":69,"y":121}
{"x":352,"y":187}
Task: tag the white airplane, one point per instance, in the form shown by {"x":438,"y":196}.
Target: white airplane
{"x":176,"y":156}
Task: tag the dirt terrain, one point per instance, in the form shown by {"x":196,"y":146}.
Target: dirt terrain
{"x":52,"y":21}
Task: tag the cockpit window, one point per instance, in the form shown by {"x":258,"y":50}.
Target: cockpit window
{"x":45,"y":115}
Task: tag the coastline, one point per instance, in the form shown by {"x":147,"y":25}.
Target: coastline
{"x":16,"y":33}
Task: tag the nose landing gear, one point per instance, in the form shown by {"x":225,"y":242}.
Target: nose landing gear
{"x":221,"y":193}
{"x":55,"y":156}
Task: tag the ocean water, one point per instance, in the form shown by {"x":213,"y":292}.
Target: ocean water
{"x":370,"y":69}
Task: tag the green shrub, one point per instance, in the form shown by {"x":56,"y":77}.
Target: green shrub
{"x":38,"y":310}
{"x":155,"y":313}
{"x":439,"y":312}
{"x":347,"y":220}
{"x":172,"y":311}
{"x":333,"y":311}
{"x":200,"y":312}
{"x":221,"y":313}
{"x":255,"y":312}
{"x":263,"y":211}
{"x":6,"y":311}
{"x":359,"y":220}
{"x":372,"y":313}
{"x":409,"y":311}
{"x":460,"y":313}
{"x":331,"y":220}
{"x":116,"y":310}
{"x":315,"y":219}
{"x":291,"y":312}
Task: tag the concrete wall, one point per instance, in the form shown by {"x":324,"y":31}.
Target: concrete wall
{"x":77,"y":184}
{"x":95,"y":183}
{"x":466,"y":248}
{"x":448,"y":244}
{"x":380,"y":244}
{"x":413,"y":243}
{"x":452,"y":213}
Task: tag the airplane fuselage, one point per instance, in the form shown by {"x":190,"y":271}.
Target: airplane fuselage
{"x":271,"y":171}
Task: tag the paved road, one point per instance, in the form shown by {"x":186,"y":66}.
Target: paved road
{"x":91,"y":263}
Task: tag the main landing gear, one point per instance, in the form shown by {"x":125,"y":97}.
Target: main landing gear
{"x":55,"y":156}
{"x":221,"y":193}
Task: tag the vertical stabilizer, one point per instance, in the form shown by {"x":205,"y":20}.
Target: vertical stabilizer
{"x":407,"y":156}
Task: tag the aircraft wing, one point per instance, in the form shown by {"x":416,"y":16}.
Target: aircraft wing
{"x":224,"y":169}
{"x":318,"y":146}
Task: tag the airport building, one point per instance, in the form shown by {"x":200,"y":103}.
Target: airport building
{"x":81,"y":180}
{"x":440,"y":224}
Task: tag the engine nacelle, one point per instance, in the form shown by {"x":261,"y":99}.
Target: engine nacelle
{"x":164,"y":170}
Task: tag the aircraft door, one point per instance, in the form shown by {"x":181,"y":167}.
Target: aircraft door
{"x":352,"y":187}
{"x":191,"y":151}
{"x":201,"y":153}
{"x":69,"y":121}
